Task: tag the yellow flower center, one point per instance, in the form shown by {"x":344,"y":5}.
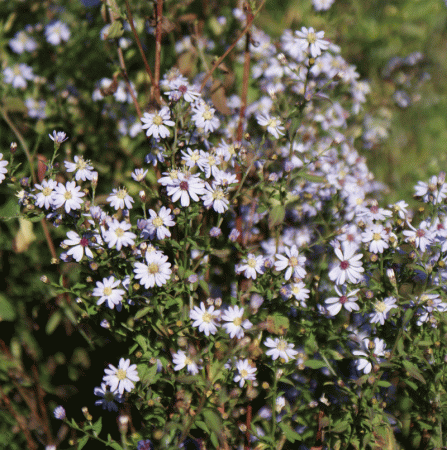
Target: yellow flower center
{"x":107,"y":290}
{"x":380,"y":307}
{"x":237,"y":321}
{"x":207,"y":115}
{"x":377,"y":237}
{"x":207,"y":317}
{"x":68,"y":195}
{"x":157,"y":120}
{"x":81,"y":164}
{"x":121,"y":194}
{"x":121,"y":374}
{"x":272,"y":123}
{"x":251,"y":263}
{"x":153,"y":268}
{"x":296,"y":289}
{"x":188,"y":360}
{"x":119,"y":232}
{"x":282,"y":345}
{"x":47,"y":191}
{"x":244,"y":373}
{"x":311,"y":38}
{"x":218,"y":194}
{"x":293,"y":261}
{"x":157,"y":222}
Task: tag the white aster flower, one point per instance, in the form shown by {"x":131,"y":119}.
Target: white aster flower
{"x":22,"y":42}
{"x":58,"y":137}
{"x":3,"y":169}
{"x":312,"y":41}
{"x":156,"y":124}
{"x":182,"y":360}
{"x":108,"y":397}
{"x":120,"y":199}
{"x":251,"y":266}
{"x":118,"y":235}
{"x":349,"y":267}
{"x":299,"y":291}
{"x":139,"y":175}
{"x":68,"y":195}
{"x":215,"y":196}
{"x":205,"y":319}
{"x":157,"y":224}
{"x":381,"y":309}
{"x":83,"y":168}
{"x":272,"y":124}
{"x":293,"y":263}
{"x":246,"y":372}
{"x":235,"y":324}
{"x":17,"y":75}
{"x":156,"y":271}
{"x":182,"y":89}
{"x":343,"y":300}
{"x":80,"y":245}
{"x":121,"y":378}
{"x":204,"y":117}
{"x":107,"y":292}
{"x":421,"y":237}
{"x":185,"y":186}
{"x":377,"y":236}
{"x":57,"y":32}
{"x":280,"y":348}
{"x":372,"y":350}
{"x":45,"y":196}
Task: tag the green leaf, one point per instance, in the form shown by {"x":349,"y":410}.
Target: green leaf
{"x":116,"y":30}
{"x":315,"y":364}
{"x":383,"y":383}
{"x":7,"y":312}
{"x":276,"y":216}
{"x":10,"y":210}
{"x":212,"y":421}
{"x":340,"y":427}
{"x":82,"y":442}
{"x":142,"y":342}
{"x":143,"y":312}
{"x":14,"y":104}
{"x":53,"y":322}
{"x":97,"y":426}
{"x":413,"y":371}
{"x":202,"y":425}
{"x":289,"y":433}
{"x":214,"y":439}
{"x":277,"y":324}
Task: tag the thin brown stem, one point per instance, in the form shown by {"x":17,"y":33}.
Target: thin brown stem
{"x":137,"y":39}
{"x":43,"y":410}
{"x":248,"y":425}
{"x":20,"y":421}
{"x":244,"y":92}
{"x":158,"y":32}
{"x":250,"y":19}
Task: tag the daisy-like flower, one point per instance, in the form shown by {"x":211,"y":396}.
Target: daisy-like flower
{"x":118,"y":235}
{"x":431,"y":192}
{"x":251,"y":266}
{"x":36,"y":108}
{"x":293,"y":263}
{"x":349,"y":267}
{"x":371,"y":350}
{"x":312,"y":41}
{"x":181,"y":89}
{"x":343,"y":300}
{"x":158,"y":224}
{"x":57,"y":32}
{"x":208,"y":163}
{"x":272,"y":124}
{"x":204,"y":117}
{"x":68,"y":195}
{"x":17,"y":75}
{"x":83,"y":168}
{"x":59,"y":413}
{"x":205,"y":319}
{"x":22,"y":42}
{"x":400,"y":208}
{"x":108,"y":292}
{"x":381,"y":309}
{"x":299,"y":291}
{"x":80,"y":245}
{"x":139,"y":175}
{"x":421,"y":237}
{"x":216,"y":197}
{"x":182,"y":360}
{"x":121,"y":378}
{"x":235,"y":324}
{"x":120,"y":199}
{"x":190,"y":157}
{"x":108,"y":397}
{"x":3,"y":169}
{"x":58,"y":137}
{"x":280,"y":348}
{"x":185,"y":186}
{"x":246,"y":372}
{"x":156,"y":124}
{"x":377,"y":237}
{"x":156,"y":271}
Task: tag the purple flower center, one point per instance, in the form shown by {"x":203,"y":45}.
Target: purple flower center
{"x":84,"y":242}
{"x":344,"y":265}
{"x":343,"y":299}
{"x":183,"y":88}
{"x":420,"y":233}
{"x":184,"y":185}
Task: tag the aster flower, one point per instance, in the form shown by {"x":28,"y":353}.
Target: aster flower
{"x":108,"y":397}
{"x":190,"y":157}
{"x":280,"y":348}
{"x":182,"y":360}
{"x":381,"y":309}
{"x":204,"y":117}
{"x":3,"y":169}
{"x":377,"y":237}
{"x":205,"y":319}
{"x":157,"y":224}
{"x":17,"y":75}
{"x":58,"y":137}
{"x":83,"y":168}
{"x":121,"y":378}
{"x":272,"y":124}
{"x":251,"y":266}
{"x":139,"y":175}
{"x":432,"y":192}
{"x":120,"y":199}
{"x":299,"y":292}
{"x":421,"y":237}
{"x":156,"y":271}
{"x":312,"y":41}
{"x":22,"y":42}
{"x":293,"y":263}
{"x":343,"y":300}
{"x":156,"y":124}
{"x":235,"y":324}
{"x":57,"y":32}
{"x":80,"y":245}
{"x":181,"y":89}
{"x":246,"y":372}
{"x":107,"y":292}
{"x":59,"y":413}
{"x":68,"y":195}
{"x":118,"y":235}
{"x":208,"y":163}
{"x":372,"y":350}
{"x":36,"y":108}
{"x":186,"y":186}
{"x":349,"y":267}
{"x":216,"y":197}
